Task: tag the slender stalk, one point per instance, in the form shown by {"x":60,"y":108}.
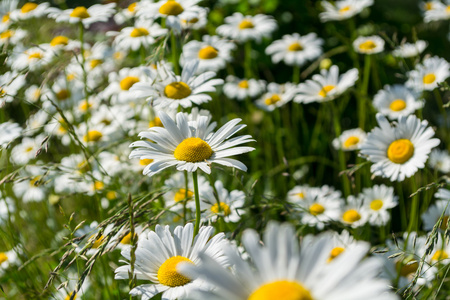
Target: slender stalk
{"x":440,"y":104}
{"x":401,"y":204}
{"x":197,"y":204}
{"x":248,"y":60}
{"x":173,"y":43}
{"x":296,"y":74}
{"x":186,"y":194}
{"x":362,"y":102}
{"x":414,"y":210}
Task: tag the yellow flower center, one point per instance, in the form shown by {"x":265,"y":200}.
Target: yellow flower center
{"x":398,"y":105}
{"x":444,"y":223}
{"x":429,"y":78}
{"x":95,"y":62}
{"x":351,"y":141}
{"x":180,"y":195}
{"x":208,"y":52}
{"x":272,"y":100}
{"x":37,"y":93}
{"x":132,"y":7}
{"x":193,"y":149}
{"x":2,"y":92}
{"x":98,"y":186}
{"x":367,"y":45}
{"x":351,"y":216}
{"x":111,"y":195}
{"x":316,"y":209}
{"x":344,"y":9}
{"x":177,"y":90}
{"x":80,"y":12}
{"x":439,"y":255}
{"x":97,"y":242}
{"x":447,"y":10}
{"x":70,"y":77}
{"x":83,"y":166}
{"x":325,"y":90}
{"x":145,"y":161}
{"x":62,"y":95}
{"x":243,"y":84}
{"x":295,"y":47}
{"x":335,"y":252}
{"x":428,"y":5}
{"x":34,"y":181}
{"x":168,"y":275}
{"x":6,"y":34}
{"x":5,"y":18}
{"x":281,"y":290}
{"x":223,"y":207}
{"x":191,"y":21}
{"x":70,"y":295}
{"x":376,"y":204}
{"x":301,"y":195}
{"x":59,"y":40}
{"x":84,"y":106}
{"x":3,"y":257}
{"x":406,"y":268}
{"x":400,"y":151}
{"x":171,"y":8}
{"x":27,"y":7}
{"x":128,"y":82}
{"x":138,"y":32}
{"x":35,"y":55}
{"x":246,"y":24}
{"x":29,"y":149}
{"x":155,"y":122}
{"x":127,"y":239}
{"x":93,"y":136}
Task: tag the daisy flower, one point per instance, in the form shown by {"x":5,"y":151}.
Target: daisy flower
{"x":6,"y":7}
{"x":343,"y":9}
{"x":441,"y":251}
{"x":66,"y":290}
{"x":410,"y":49}
{"x":279,"y":269}
{"x":12,"y":36}
{"x":326,"y":86}
{"x":31,"y":189}
{"x":171,"y":91}
{"x":246,"y":28}
{"x":440,"y":160}
{"x":26,"y":150}
{"x":190,"y":146}
{"x":353,"y":214}
{"x":213,"y":53}
{"x":277,"y":95}
{"x":8,"y":259}
{"x":33,"y":58}
{"x":427,"y":75}
{"x":197,"y":22}
{"x":437,"y":12}
{"x":398,"y":152}
{"x":377,"y":200}
{"x":341,"y":243}
{"x":174,"y":11}
{"x":350,"y":140}
{"x":87,"y":16}
{"x":10,"y":84}
{"x":128,"y":13}
{"x":435,"y":211}
{"x":30,"y":10}
{"x":160,"y":254}
{"x":368,"y":45}
{"x":10,"y":131}
{"x":143,"y":34}
{"x":227,"y":204}
{"x":396,"y":100}
{"x":239,"y":89}
{"x":295,"y":50}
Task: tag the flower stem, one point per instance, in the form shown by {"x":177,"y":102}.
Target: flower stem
{"x":362,"y":108}
{"x":440,"y":104}
{"x":197,"y":204}
{"x":173,"y":43}
{"x":248,"y":60}
{"x":414,"y":211}
{"x":296,"y":75}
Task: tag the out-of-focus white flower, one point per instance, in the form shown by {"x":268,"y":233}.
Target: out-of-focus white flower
{"x":245,"y":28}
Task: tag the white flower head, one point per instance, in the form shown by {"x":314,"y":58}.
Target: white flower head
{"x":368,"y":45}
{"x":30,"y":10}
{"x":396,"y":100}
{"x":10,"y":131}
{"x":437,"y":11}
{"x":410,"y":49}
{"x":239,"y":89}
{"x":343,"y":9}
{"x":350,"y":140}
{"x":277,"y":95}
{"x":427,"y":75}
{"x":434,"y":212}
{"x":376,"y":201}
{"x":87,"y":16}
{"x":440,"y":160}
{"x":353,"y":214}
{"x":246,"y":28}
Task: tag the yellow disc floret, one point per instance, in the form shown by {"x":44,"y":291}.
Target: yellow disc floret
{"x":344,"y":9}
{"x":400,"y":151}
{"x":95,"y":62}
{"x":295,"y":47}
{"x":132,"y":7}
{"x":35,"y":55}
{"x":128,"y":82}
{"x":3,"y":257}
{"x":376,"y":204}
{"x":335,"y":252}
{"x":316,"y":209}
{"x":181,"y":195}
{"x":351,"y":141}
{"x":223,"y":208}
{"x":281,"y":290}
{"x":397,"y":105}
{"x":145,"y":161}
{"x":193,"y":149}
{"x":246,"y":24}
{"x":80,"y":12}
{"x":272,"y":100}
{"x":171,"y":8}
{"x":439,"y":255}
{"x":177,"y":90}
{"x":126,"y":240}
{"x":367,"y":45}
{"x":429,"y":78}
{"x":208,"y":52}
{"x":27,"y":7}
{"x":351,"y":216}
{"x":62,"y":95}
{"x":168,"y":275}
{"x":97,"y":242}
{"x":5,"y":18}
{"x":407,"y":266}
{"x":68,"y":297}
{"x":93,"y":136}
{"x":59,"y":40}
{"x":325,"y":90}
{"x":6,"y":34}
{"x":138,"y":32}
{"x":243,"y":84}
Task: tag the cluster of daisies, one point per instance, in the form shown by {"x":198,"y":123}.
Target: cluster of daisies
{"x":117,"y":92}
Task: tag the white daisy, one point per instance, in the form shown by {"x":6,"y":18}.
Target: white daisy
{"x":33,"y":58}
{"x":410,"y":49}
{"x":353,"y":214}
{"x":31,"y":188}
{"x":440,"y":160}
{"x":438,"y":11}
{"x":436,"y":210}
{"x":342,"y":9}
{"x":441,"y":251}
{"x":377,"y":200}
{"x":87,"y":16}
{"x":190,"y":146}
{"x":128,"y":13}
{"x":368,"y":45}
{"x":277,"y":95}
{"x":160,"y":254}
{"x":398,"y":152}
{"x":280,"y":269}
{"x":8,"y":259}
{"x":239,"y":89}
{"x":12,"y":36}
{"x":396,"y":100}
{"x":6,"y":7}
{"x":341,"y":243}
{"x":246,"y":28}
{"x":10,"y":84}
{"x":26,"y":150}
{"x":197,"y":22}
{"x":10,"y":131}
{"x":30,"y":10}
{"x":326,"y":86}
{"x":66,"y":290}
{"x":33,"y":93}
{"x":427,"y":75}
{"x":171,"y":91}
{"x":227,"y":204}
{"x":295,"y":50}
{"x":350,"y":140}
{"x":213,"y":53}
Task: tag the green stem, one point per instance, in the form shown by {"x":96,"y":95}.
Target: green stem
{"x":402,"y":206}
{"x":143,"y":55}
{"x":440,"y":104}
{"x":197,"y":204}
{"x":186,"y":194}
{"x":296,"y":74}
{"x":248,"y":60}
{"x":414,"y":210}
{"x":173,"y":42}
{"x":362,"y":108}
